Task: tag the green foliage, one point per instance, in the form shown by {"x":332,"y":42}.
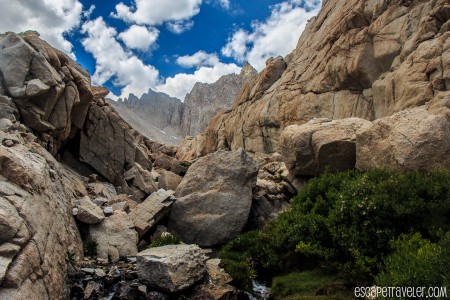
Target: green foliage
{"x":417,"y":262}
{"x":238,"y":258}
{"x":165,"y":240}
{"x":347,"y":221}
{"x":309,"y":284}
{"x":90,"y":248}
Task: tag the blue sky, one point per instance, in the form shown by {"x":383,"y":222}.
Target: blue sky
{"x":133,"y":45}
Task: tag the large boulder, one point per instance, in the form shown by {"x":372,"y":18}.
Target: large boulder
{"x":151,"y":211}
{"x":172,"y":267}
{"x":37,"y":229}
{"x":409,"y":140}
{"x":214,"y":198}
{"x":311,"y":148}
{"x":115,"y":237}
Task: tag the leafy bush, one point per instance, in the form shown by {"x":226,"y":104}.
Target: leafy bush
{"x":164,"y":240}
{"x":238,"y":258}
{"x":90,"y":248}
{"x":347,"y":221}
{"x":417,"y":262}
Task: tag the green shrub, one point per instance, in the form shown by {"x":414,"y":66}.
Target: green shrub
{"x":163,"y":240}
{"x":417,"y":262}
{"x":90,"y":248}
{"x":238,"y":258}
{"x":347,"y":220}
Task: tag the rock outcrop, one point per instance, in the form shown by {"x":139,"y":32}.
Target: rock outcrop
{"x":51,"y":113}
{"x":412,"y":139}
{"x":37,"y":230}
{"x":321,"y":144}
{"x":368,"y":59}
{"x":51,"y":91}
{"x":214,"y":198}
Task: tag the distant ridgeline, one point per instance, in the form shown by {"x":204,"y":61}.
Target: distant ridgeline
{"x":167,"y":119}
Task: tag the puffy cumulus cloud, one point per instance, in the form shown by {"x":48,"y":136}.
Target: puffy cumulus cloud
{"x":237,"y":45}
{"x":182,"y":83}
{"x":179,"y":27}
{"x":152,"y":12}
{"x":113,"y":63}
{"x":225,"y":3}
{"x":51,"y":18}
{"x":139,"y":37}
{"x":198,"y":59}
{"x":277,"y":35}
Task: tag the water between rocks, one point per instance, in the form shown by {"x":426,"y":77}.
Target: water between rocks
{"x":260,"y":291}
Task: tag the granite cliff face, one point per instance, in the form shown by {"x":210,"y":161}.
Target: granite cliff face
{"x":361,"y":58}
{"x":206,"y":100}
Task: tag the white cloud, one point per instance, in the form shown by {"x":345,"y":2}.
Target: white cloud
{"x":88,"y":12}
{"x":225,"y":3}
{"x":182,"y":83}
{"x":237,"y":45}
{"x":278,"y":35}
{"x":198,"y":59}
{"x":51,"y":18}
{"x":139,"y":37}
{"x":152,"y":12}
{"x":113,"y":62}
{"x":179,"y":27}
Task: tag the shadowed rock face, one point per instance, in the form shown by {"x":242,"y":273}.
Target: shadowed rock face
{"x":359,"y":58}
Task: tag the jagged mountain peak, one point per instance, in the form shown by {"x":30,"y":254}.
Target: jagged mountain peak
{"x":248,"y":70}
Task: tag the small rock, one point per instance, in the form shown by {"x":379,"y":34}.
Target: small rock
{"x":74,"y":211}
{"x":93,"y":178}
{"x":5,"y":125}
{"x":88,"y":212}
{"x":100,"y":273}
{"x":216,"y":273}
{"x":121,"y":206}
{"x":89,"y":271}
{"x":100,"y":201}
{"x":142,"y":289}
{"x":8,"y":143}
{"x":108,"y":210}
{"x":93,"y":290}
